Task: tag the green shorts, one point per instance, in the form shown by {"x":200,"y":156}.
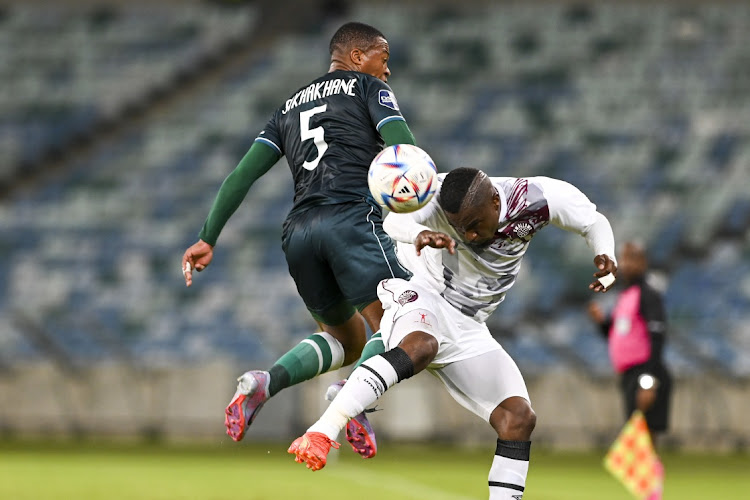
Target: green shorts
{"x":337,"y":255}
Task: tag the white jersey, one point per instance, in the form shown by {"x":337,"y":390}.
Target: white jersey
{"x":475,"y":280}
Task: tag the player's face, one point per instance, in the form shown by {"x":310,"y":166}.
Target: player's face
{"x":375,"y":61}
{"x":478,"y":224}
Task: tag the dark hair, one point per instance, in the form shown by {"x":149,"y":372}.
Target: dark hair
{"x":454,"y":188}
{"x":354,"y":35}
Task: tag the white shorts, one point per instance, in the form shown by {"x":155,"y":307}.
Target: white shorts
{"x":475,"y":369}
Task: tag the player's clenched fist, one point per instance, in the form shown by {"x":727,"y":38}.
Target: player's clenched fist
{"x":197,"y":257}
{"x":605,"y":275}
{"x":435,"y":240}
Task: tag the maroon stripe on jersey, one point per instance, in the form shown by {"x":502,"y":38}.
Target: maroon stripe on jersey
{"x":517,"y":199}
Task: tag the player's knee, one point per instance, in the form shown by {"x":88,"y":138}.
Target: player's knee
{"x":526,"y":421}
{"x":352,"y":353}
{"x":352,"y":337}
{"x":421,"y":348}
{"x":353,"y":345}
{"x":521,"y":422}
{"x":514,"y":421}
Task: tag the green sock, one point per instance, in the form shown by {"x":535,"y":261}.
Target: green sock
{"x":373,"y":347}
{"x":317,"y":354}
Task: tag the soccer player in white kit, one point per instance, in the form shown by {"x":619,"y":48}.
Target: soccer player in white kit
{"x":465,"y":249}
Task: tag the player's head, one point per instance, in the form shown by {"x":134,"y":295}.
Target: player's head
{"x":632,"y":262}
{"x":360,"y":47}
{"x":472,"y":205}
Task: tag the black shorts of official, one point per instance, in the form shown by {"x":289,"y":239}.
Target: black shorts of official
{"x":657,"y":416}
{"x":337,"y":255}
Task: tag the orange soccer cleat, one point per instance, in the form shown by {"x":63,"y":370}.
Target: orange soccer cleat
{"x":313,"y":448}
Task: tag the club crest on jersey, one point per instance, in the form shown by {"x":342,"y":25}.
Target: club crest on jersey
{"x":522,"y":229}
{"x":407,"y":296}
{"x":387,"y":99}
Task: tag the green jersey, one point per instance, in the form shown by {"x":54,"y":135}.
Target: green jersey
{"x":328,"y":131}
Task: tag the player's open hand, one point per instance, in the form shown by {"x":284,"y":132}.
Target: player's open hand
{"x":197,"y":258}
{"x":435,"y":240}
{"x":605,"y":274}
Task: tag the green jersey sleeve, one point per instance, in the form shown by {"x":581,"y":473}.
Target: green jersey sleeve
{"x":381,"y":102}
{"x":397,"y":132}
{"x":257,"y":161}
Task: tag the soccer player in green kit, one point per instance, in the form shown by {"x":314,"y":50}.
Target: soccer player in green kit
{"x":335,"y":246}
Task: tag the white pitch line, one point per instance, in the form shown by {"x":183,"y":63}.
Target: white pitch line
{"x":395,"y":483}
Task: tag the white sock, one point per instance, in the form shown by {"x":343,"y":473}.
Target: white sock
{"x":365,"y":385}
{"x":510,"y":466}
{"x":337,"y":352}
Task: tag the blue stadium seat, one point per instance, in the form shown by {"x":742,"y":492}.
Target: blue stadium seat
{"x":616,"y":101}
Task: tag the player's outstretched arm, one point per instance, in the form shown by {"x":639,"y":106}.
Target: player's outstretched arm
{"x":256,"y":162}
{"x":197,"y":258}
{"x":571,"y":210}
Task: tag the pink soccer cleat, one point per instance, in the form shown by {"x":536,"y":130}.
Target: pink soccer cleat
{"x":359,"y":432}
{"x":251,"y":395}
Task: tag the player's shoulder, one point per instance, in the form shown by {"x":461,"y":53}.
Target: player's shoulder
{"x":372,"y":87}
{"x":507,"y":184}
{"x":542,"y":179}
{"x":304,"y":87}
{"x":549,"y":183}
{"x":504,"y":180}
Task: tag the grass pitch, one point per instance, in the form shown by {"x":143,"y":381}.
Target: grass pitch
{"x":254,"y":471}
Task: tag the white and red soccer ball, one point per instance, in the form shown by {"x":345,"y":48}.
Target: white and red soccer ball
{"x":402,"y":178}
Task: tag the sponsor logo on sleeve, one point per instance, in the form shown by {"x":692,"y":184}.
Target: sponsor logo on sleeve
{"x":422,"y":319}
{"x":387,"y":99}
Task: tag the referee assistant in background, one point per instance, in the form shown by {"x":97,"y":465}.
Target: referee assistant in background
{"x":635,"y":332}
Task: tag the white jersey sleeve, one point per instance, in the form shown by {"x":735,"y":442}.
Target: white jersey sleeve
{"x":571,"y":210}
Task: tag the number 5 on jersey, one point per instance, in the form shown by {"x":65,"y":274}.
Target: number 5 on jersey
{"x":316,"y":134}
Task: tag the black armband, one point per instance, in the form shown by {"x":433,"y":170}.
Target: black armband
{"x":401,"y":362}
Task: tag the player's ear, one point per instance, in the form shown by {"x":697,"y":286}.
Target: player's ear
{"x":356,"y":56}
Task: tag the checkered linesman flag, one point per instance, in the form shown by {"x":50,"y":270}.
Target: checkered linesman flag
{"x":633,"y":460}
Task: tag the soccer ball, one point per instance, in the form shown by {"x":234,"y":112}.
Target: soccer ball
{"x":402,"y":178}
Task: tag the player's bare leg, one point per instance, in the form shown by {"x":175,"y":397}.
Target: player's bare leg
{"x":514,"y":421}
